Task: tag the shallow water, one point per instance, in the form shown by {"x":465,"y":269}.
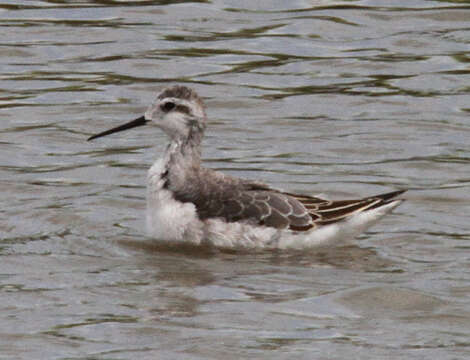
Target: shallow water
{"x":340,"y":98}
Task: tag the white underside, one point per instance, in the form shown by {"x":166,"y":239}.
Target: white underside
{"x":173,"y":221}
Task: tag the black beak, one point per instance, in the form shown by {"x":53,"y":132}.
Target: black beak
{"x":131,"y":124}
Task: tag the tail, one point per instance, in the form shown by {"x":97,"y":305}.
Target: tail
{"x":386,"y":199}
{"x":388,"y":196}
{"x":342,"y":220}
{"x":330,"y":212}
{"x":364,"y":219}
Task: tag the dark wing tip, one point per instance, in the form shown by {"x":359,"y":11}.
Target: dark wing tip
{"x":388,"y":196}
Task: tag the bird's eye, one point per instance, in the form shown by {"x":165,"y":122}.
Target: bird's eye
{"x":167,"y":106}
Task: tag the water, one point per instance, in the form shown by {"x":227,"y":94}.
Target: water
{"x":341,"y":98}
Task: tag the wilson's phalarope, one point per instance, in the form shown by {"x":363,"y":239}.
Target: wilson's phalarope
{"x":189,"y":203}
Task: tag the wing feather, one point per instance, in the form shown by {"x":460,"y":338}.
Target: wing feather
{"x":258,"y":204}
{"x":325,"y":212}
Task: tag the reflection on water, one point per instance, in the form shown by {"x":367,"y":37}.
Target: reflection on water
{"x":345,"y":98}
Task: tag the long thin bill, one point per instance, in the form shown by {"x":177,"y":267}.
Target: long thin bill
{"x":131,"y":124}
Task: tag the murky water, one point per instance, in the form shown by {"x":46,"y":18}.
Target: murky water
{"x":341,"y":98}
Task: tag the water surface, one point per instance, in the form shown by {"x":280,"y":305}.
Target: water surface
{"x":345,"y":98}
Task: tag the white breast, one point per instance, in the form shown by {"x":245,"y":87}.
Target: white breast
{"x":168,"y":219}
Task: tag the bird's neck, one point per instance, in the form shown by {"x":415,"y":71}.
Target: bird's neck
{"x":186,"y":149}
{"x":182,"y":162}
{"x":181,"y":153}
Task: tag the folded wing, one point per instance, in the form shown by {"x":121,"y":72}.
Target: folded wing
{"x":258,"y":204}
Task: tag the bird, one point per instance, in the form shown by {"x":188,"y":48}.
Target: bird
{"x":192,"y":204}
